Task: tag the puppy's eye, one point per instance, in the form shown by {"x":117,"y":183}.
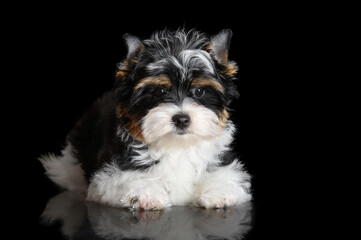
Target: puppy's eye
{"x":198,"y":92}
{"x":159,"y":92}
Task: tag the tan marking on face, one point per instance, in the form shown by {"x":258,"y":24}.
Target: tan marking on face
{"x":133,"y":125}
{"x":123,"y":70}
{"x":158,"y":80}
{"x":135,"y":130}
{"x":203,"y":81}
{"x":223,"y":118}
{"x":209,"y":47}
{"x":230,"y":69}
{"x":121,"y":74}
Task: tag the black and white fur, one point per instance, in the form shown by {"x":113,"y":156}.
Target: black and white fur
{"x":162,"y":136}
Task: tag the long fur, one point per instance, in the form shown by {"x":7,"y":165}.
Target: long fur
{"x":127,"y":151}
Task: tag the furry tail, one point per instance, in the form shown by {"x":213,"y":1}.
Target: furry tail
{"x":64,"y":170}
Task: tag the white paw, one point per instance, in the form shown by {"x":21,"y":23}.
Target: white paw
{"x":150,"y":200}
{"x":222,"y":199}
{"x":146,"y":202}
{"x":211,"y":201}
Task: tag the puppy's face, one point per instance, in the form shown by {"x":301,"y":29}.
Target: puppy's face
{"x":176,"y":87}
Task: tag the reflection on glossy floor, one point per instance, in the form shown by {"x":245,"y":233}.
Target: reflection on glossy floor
{"x":83,"y":220}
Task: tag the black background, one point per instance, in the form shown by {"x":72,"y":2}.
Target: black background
{"x":63,"y":58}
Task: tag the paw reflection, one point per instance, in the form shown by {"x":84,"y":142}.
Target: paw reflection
{"x":146,"y":216}
{"x":81,"y":220}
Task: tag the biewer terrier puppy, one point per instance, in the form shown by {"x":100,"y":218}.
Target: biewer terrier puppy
{"x":162,"y":136}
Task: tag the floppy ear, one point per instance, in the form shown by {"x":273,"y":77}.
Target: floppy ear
{"x":134,"y":45}
{"x":219,"y":46}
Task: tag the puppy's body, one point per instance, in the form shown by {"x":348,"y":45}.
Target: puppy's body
{"x":162,"y":136}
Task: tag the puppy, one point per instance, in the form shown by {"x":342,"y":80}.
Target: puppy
{"x":162,"y":135}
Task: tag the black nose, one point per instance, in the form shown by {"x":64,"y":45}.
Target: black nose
{"x":181,"y":120}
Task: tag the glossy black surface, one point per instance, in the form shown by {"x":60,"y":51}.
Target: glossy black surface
{"x":77,"y":219}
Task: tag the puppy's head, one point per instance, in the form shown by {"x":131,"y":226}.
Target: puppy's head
{"x":176,"y":86}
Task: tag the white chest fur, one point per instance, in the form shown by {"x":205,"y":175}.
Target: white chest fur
{"x":180,"y":169}
{"x":173,"y":181}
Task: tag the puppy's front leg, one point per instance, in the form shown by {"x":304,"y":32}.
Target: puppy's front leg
{"x":128,"y":189}
{"x":223,"y":186}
